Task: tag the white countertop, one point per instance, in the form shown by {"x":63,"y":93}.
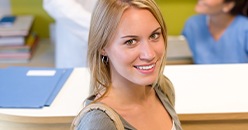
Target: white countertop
{"x":210,"y":88}
{"x":199,"y":89}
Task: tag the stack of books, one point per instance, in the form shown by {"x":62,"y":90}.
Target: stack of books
{"x":17,"y":42}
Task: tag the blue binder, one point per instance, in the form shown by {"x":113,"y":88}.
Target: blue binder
{"x":25,"y":87}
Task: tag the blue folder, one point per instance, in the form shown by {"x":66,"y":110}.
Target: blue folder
{"x":63,"y":79}
{"x":25,"y":87}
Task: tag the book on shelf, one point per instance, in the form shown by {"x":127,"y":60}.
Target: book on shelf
{"x":20,"y":27}
{"x":29,"y":42}
{"x":17,"y":30}
{"x":12,"y":40}
{"x":17,"y":53}
{"x":7,"y":21}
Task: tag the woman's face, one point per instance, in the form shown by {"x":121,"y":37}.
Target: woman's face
{"x":136,"y":50}
{"x":210,"y":7}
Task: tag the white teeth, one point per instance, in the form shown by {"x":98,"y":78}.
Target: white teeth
{"x":145,"y":67}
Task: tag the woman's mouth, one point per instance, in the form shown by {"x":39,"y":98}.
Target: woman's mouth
{"x":145,"y":67}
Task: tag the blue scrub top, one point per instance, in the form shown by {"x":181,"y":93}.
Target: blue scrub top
{"x":232,"y":47}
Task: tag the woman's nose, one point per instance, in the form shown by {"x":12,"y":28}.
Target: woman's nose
{"x":147,"y":51}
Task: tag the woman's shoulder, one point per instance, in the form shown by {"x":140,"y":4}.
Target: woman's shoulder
{"x":194,"y":23}
{"x":166,"y":90}
{"x":242,"y":18}
{"x":95,"y":119}
{"x":165,"y":82}
{"x":242,"y":21}
{"x":197,"y":18}
{"x":239,"y":25}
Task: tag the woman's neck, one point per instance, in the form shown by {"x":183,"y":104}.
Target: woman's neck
{"x":220,"y":21}
{"x":217,"y":24}
{"x":128,"y":95}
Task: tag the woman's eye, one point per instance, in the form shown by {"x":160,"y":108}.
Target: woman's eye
{"x":155,"y":36}
{"x":130,"y":42}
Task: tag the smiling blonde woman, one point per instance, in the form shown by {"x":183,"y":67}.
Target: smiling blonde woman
{"x":126,"y":55}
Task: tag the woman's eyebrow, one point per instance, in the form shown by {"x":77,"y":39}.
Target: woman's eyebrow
{"x":129,"y":36}
{"x":134,"y":36}
{"x":159,"y":28}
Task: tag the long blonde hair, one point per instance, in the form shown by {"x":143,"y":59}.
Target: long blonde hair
{"x":104,"y":22}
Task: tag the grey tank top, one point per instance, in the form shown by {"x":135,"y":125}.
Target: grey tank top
{"x":99,"y":120}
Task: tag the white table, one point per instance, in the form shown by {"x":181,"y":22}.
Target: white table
{"x":205,"y":94}
{"x":59,"y":115}
{"x":211,"y":97}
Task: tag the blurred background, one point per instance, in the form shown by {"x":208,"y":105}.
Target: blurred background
{"x":175,"y":13}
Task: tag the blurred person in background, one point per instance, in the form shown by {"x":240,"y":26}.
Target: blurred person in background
{"x":219,"y":33}
{"x":71,"y":30}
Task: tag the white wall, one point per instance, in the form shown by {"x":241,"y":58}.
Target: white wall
{"x":5,"y":8}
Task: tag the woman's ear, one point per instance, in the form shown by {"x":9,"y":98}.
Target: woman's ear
{"x":228,"y":7}
{"x":103,"y":52}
